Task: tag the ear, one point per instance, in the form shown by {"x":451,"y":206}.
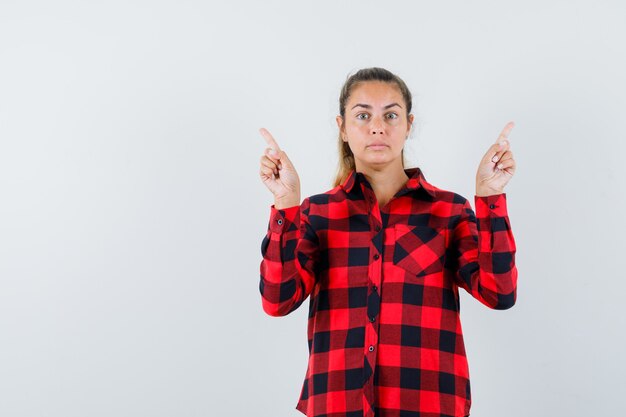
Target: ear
{"x":339,"y":120}
{"x":410,"y":121}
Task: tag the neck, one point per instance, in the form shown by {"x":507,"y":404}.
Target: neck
{"x":386,"y":181}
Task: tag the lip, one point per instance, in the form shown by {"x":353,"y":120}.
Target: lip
{"x":376,"y":146}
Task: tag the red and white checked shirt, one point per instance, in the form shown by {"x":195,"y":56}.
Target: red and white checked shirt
{"x":384,"y":331}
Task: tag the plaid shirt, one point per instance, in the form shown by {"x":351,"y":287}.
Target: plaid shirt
{"x":384,"y":331}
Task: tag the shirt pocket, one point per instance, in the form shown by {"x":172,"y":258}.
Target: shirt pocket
{"x":419,"y":250}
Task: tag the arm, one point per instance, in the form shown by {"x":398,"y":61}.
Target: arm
{"x":485,"y":251}
{"x":290,"y":251}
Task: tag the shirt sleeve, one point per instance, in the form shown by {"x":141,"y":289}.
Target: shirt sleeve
{"x":290,"y":252}
{"x":486,"y":252}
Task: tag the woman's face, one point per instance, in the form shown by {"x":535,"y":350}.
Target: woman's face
{"x":375,"y":125}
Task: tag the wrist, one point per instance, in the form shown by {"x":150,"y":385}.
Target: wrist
{"x":486,"y":192}
{"x":281,"y":203}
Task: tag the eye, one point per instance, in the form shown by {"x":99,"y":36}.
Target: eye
{"x":395,"y":115}
{"x":358,"y":116}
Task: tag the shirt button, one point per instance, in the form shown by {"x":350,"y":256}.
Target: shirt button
{"x":376,"y":256}
{"x":491,"y":206}
{"x":375,"y":288}
{"x":372,"y":319}
{"x":280,"y":221}
{"x":378,"y":228}
{"x":371,"y":348}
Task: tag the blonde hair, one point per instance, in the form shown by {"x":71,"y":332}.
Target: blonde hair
{"x":346,"y":157}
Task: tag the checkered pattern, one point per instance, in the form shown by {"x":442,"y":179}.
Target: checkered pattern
{"x":384,"y":331}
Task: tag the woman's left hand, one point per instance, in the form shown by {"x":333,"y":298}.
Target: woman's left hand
{"x":497,"y":166}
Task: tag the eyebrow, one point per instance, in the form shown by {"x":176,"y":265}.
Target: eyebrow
{"x":367,"y":106}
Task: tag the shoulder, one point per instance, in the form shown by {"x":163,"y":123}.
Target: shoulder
{"x":333,"y":195}
{"x":451,"y":205}
{"x":450,"y":197}
{"x":442,"y":195}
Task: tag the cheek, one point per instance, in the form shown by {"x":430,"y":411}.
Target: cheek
{"x":357,"y":126}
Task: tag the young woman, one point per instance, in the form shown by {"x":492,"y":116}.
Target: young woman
{"x":382,"y":256}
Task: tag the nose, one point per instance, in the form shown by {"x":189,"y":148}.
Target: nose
{"x":376,"y":127}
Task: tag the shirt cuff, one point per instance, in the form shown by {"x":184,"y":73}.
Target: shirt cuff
{"x":491,"y":206}
{"x":281,"y":219}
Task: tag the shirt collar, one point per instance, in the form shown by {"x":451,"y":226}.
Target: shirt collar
{"x":415,"y":181}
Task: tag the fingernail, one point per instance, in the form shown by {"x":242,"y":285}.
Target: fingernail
{"x":502,"y":144}
{"x":500,"y":166}
{"x":280,"y":166}
{"x":273,"y":152}
{"x":494,"y":159}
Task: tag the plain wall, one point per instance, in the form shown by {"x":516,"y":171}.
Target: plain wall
{"x":132,"y":212}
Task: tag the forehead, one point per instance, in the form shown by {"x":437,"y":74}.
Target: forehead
{"x":376,"y":93}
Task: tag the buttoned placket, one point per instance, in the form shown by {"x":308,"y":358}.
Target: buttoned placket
{"x":373,"y":300}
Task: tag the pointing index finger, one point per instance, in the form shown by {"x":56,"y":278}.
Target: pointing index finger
{"x":505,"y":132}
{"x":269,"y":139}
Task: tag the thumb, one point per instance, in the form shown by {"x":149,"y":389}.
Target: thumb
{"x":284,"y":159}
{"x":279,"y":157}
{"x":274,"y":154}
{"x":492,"y":151}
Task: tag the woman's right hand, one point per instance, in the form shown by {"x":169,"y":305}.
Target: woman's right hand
{"x":278,"y":174}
